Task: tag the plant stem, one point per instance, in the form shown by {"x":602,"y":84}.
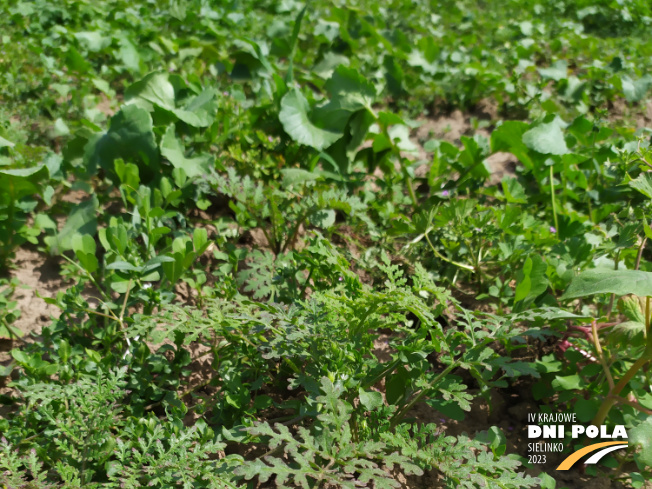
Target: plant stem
{"x":415,"y":202}
{"x":639,"y":255}
{"x":611,"y":400}
{"x":12,"y":332}
{"x":613,"y":296}
{"x":400,"y":413}
{"x":442,"y":257}
{"x":603,"y":361}
{"x":552,"y":198}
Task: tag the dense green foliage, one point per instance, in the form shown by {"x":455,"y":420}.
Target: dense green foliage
{"x":269,"y":275}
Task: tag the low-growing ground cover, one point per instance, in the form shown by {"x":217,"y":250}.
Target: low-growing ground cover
{"x":276,"y":244}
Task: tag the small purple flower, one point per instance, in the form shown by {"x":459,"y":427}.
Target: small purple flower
{"x":445,"y":193}
{"x":226,"y":94}
{"x":510,"y":428}
{"x":553,"y":229}
{"x":340,"y":279}
{"x":270,"y":139}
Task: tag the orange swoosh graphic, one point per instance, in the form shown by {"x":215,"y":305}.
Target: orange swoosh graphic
{"x":574,"y":457}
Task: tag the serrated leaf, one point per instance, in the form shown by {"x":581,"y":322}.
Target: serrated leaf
{"x":643,"y":183}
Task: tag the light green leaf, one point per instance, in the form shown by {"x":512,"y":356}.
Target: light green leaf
{"x":323,"y":218}
{"x":643,"y":183}
{"x":130,"y":138}
{"x":21,"y":182}
{"x":513,"y":191}
{"x":532,"y":281}
{"x":509,"y":138}
{"x":81,"y":220}
{"x":296,"y":122}
{"x":567,"y":382}
{"x":92,"y":40}
{"x":635,"y":91}
{"x":349,"y":90}
{"x":608,"y":281}
{"x":558,"y":71}
{"x":155,"y":88}
{"x":172,"y":150}
{"x":371,"y":400}
{"x":547,"y":138}
{"x":5,"y":144}
{"x":641,"y":435}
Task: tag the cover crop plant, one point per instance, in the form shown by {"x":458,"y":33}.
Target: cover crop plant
{"x":323,"y":244}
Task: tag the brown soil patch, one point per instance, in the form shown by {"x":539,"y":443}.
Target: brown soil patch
{"x":501,"y":165}
{"x":447,"y":127}
{"x":36,"y":273}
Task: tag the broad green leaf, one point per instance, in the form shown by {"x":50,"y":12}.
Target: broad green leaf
{"x":128,"y":54}
{"x":567,"y":382}
{"x":83,"y":243}
{"x":509,"y":138}
{"x":92,"y":40}
{"x":513,"y":191}
{"x":18,"y":183}
{"x":349,"y":90}
{"x":155,"y":88}
{"x":532,"y":281}
{"x":607,"y":281}
{"x":293,"y":176}
{"x":635,"y":91}
{"x":200,"y":240}
{"x":586,"y":409}
{"x":641,"y":435}
{"x":124,"y":266}
{"x":323,"y":218}
{"x":84,"y":247}
{"x":371,"y":400}
{"x":81,"y":220}
{"x":296,"y":122}
{"x":558,"y":71}
{"x":628,"y":333}
{"x":547,"y":138}
{"x":643,"y":183}
{"x":5,"y":144}
{"x":172,"y":149}
{"x":396,"y":385}
{"x":130,"y":138}
{"x":200,"y":111}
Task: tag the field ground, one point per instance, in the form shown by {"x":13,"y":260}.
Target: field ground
{"x":323,"y":245}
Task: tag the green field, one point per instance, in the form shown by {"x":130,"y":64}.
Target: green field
{"x":260,"y":244}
